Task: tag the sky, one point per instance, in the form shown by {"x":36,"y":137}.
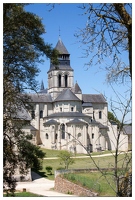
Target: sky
{"x":64,"y":21}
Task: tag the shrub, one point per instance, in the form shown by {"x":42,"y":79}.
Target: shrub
{"x":49,"y":170}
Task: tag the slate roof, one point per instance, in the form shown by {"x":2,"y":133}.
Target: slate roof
{"x":32,"y":128}
{"x":22,"y":115}
{"x":67,"y":95}
{"x":41,"y":97}
{"x":101,"y":126}
{"x":87,"y":104}
{"x":60,"y":67}
{"x":50,"y":122}
{"x":66,"y":114}
{"x":127,"y":129}
{"x":61,"y":47}
{"x":93,"y":98}
{"x":77,"y":88}
{"x":76,"y":121}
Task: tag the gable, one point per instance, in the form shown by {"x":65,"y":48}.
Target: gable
{"x":67,"y":95}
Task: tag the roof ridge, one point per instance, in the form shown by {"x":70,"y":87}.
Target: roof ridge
{"x":66,"y":95}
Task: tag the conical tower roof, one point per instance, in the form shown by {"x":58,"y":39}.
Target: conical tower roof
{"x":42,"y":86}
{"x":77,"y":88}
{"x":61,"y":47}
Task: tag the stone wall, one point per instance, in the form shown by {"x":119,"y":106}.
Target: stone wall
{"x":66,"y":171}
{"x":64,"y":186}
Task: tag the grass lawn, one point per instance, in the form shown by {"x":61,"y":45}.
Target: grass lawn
{"x":24,"y":194}
{"x":54,"y":153}
{"x":81,"y":163}
{"x":93,"y":181}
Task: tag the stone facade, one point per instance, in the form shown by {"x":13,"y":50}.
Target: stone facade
{"x":62,"y":113}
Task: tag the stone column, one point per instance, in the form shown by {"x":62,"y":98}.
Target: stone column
{"x":59,"y":138}
{"x":45,"y":111}
{"x":62,"y":81}
{"x":37,"y":117}
{"x":53,"y":134}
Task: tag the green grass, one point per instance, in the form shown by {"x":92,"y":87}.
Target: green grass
{"x":50,"y":153}
{"x":81,"y":163}
{"x":24,"y":194}
{"x":93,"y":181}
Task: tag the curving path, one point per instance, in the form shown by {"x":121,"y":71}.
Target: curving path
{"x":41,"y":186}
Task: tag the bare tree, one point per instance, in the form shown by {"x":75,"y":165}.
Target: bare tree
{"x":108,"y":35}
{"x":121,"y":174}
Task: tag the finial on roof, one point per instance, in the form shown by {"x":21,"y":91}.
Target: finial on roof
{"x":59,"y":32}
{"x":42,"y":86}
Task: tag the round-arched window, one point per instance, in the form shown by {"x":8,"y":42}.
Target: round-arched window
{"x":79,"y":135}
{"x":46,"y":136}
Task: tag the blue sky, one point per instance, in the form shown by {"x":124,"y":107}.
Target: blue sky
{"x":68,"y":18}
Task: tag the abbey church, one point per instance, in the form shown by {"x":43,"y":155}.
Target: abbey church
{"x":65,"y":118}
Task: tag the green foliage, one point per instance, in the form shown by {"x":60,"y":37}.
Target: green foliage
{"x":112,"y":118}
{"x":49,"y":169}
{"x":23,"y":194}
{"x":32,"y":155}
{"x":23,"y":48}
{"x":65,"y":158}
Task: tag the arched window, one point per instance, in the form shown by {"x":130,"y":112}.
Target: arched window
{"x":56,"y":136}
{"x":41,"y":113}
{"x":100,"y":115}
{"x":46,"y":136}
{"x":66,"y":80}
{"x":59,"y":80}
{"x":79,"y":135}
{"x":63,"y":131}
{"x":72,"y":109}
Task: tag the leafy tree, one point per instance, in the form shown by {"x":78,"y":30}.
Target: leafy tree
{"x":65,"y":157}
{"x":112,"y":118}
{"x":108,"y":34}
{"x":23,"y":47}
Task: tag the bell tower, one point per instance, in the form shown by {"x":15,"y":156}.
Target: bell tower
{"x":60,"y":76}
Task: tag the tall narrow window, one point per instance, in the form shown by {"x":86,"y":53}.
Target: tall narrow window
{"x":56,"y":136}
{"x":46,"y":136}
{"x":63,"y":131}
{"x":33,"y":114}
{"x":72,"y":109}
{"x":59,"y":80}
{"x":100,"y":115}
{"x":41,"y":113}
{"x":92,"y":135}
{"x":66,"y":79}
{"x":93,"y":115}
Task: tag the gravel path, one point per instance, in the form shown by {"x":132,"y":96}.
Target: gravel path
{"x":41,"y":186}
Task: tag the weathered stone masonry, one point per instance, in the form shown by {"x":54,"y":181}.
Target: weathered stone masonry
{"x":64,"y":186}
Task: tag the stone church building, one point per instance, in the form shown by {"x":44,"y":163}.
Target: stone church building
{"x":65,"y":118}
